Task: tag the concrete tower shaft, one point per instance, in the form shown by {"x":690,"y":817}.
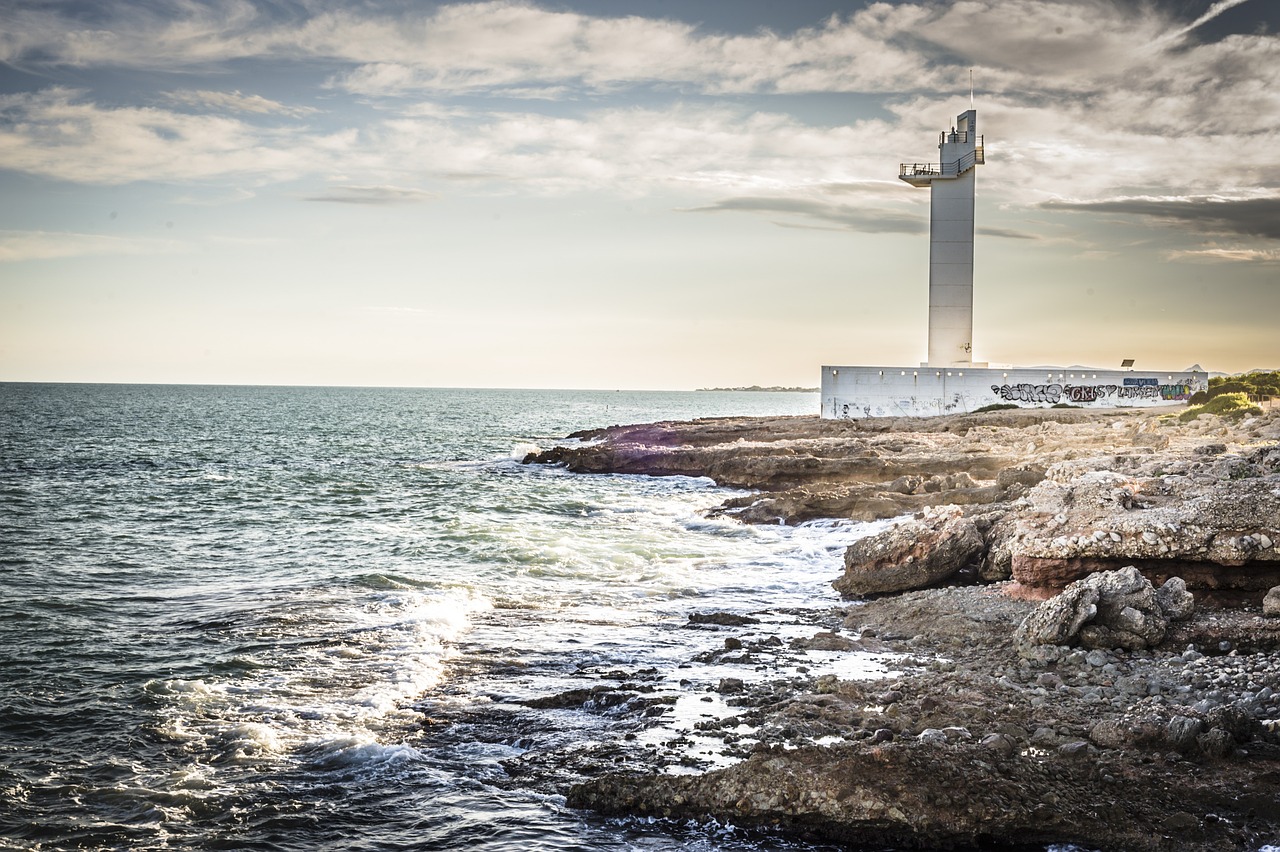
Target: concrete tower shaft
{"x":951,"y":186}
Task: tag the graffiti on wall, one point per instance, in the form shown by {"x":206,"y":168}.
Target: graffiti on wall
{"x":1147,"y":389}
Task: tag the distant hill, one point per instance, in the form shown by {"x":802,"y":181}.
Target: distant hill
{"x":770,"y":389}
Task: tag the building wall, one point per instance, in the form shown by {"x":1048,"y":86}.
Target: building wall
{"x":855,"y":392}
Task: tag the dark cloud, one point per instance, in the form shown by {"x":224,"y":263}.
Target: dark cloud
{"x":870,"y":220}
{"x":1007,"y":233}
{"x":842,"y":217}
{"x":1249,"y":217}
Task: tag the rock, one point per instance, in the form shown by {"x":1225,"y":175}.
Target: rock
{"x":1075,"y":749}
{"x":723,"y":619}
{"x":1057,"y":620}
{"x":730,"y":685}
{"x":932,"y":736}
{"x":1175,"y":601}
{"x":1001,"y":744}
{"x":1027,"y":476}
{"x":1217,"y":743}
{"x":1271,"y":603}
{"x":1180,"y":823}
{"x":1181,"y":732}
{"x":910,"y":555}
{"x":1110,"y":609}
{"x":826,"y":641}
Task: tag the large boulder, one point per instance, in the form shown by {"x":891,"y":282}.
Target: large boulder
{"x":1110,"y":609}
{"x":1271,"y":603}
{"x":914,"y":554}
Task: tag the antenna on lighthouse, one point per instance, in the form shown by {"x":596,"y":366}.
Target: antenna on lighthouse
{"x":970,"y":87}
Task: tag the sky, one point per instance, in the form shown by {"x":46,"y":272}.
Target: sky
{"x":625,"y":194}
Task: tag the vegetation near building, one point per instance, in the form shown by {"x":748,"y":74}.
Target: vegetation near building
{"x":1257,"y":387}
{"x":1224,"y":404}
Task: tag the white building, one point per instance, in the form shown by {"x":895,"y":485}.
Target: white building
{"x":950,"y":381}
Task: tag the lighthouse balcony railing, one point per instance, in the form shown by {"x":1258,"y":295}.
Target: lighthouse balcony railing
{"x":955,"y":168}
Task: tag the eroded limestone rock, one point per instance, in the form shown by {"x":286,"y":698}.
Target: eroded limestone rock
{"x":913,"y":554}
{"x":1110,"y":609}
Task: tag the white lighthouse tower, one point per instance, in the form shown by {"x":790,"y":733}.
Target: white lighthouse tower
{"x":951,"y":183}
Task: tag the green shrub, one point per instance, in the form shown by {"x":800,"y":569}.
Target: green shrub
{"x":1225,"y":405}
{"x":997,"y":406}
{"x":1258,"y":384}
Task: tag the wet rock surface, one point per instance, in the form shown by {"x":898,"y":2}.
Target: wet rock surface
{"x":966,"y":743}
{"x":1139,"y":709}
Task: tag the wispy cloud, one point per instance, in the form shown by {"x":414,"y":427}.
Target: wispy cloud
{"x":853,"y":218}
{"x":374,"y":195}
{"x":1228,"y":255}
{"x":235,"y":102}
{"x":1212,"y":12}
{"x":18,"y":246}
{"x":59,"y":133}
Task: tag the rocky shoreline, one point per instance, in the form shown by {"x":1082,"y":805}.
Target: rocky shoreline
{"x":1077,"y":604}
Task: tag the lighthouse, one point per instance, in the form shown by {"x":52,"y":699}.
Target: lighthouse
{"x":951,"y":184}
{"x":951,"y":382}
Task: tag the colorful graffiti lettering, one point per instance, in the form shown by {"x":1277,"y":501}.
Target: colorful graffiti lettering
{"x":1028,"y":393}
{"x":1085,"y":393}
{"x":1091,"y":393}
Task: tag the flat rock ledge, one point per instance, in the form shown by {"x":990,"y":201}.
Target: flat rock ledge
{"x":1086,"y":609}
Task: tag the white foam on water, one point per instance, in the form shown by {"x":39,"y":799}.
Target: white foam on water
{"x":362,"y":751}
{"x":520,"y":450}
{"x":337,"y":694}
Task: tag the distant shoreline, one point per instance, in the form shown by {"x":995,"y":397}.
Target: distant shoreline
{"x":758,"y":389}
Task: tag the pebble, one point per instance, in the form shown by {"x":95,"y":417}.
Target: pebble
{"x":999,"y":743}
{"x":1076,"y":748}
{"x":1150,"y":538}
{"x":1096,"y":658}
{"x":932,"y":736}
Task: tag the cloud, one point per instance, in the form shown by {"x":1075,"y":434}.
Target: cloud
{"x":1006,"y":233}
{"x":1230,"y":255}
{"x":467,"y":47}
{"x":1213,"y":11}
{"x":870,"y":220}
{"x":57,"y":133}
{"x":1086,"y":99}
{"x":235,"y":102}
{"x":374,"y":195}
{"x":1243,"y":217}
{"x":16,"y":246}
{"x":867,"y":219}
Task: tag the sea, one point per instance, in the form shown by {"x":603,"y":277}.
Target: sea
{"x":302,"y":618}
